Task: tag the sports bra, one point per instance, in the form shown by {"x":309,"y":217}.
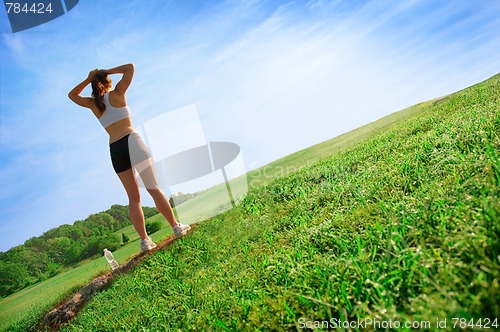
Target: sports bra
{"x":113,"y":114}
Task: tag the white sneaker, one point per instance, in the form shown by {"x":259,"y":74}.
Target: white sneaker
{"x":181,"y":230}
{"x":147,"y":244}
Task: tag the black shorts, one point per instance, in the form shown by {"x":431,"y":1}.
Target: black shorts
{"x":127,"y":152}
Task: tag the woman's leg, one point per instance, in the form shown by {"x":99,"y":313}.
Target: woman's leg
{"x":142,"y":162}
{"x":163,"y":206}
{"x":134,"y":202}
{"x":161,"y":202}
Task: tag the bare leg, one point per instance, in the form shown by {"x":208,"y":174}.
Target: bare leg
{"x":163,"y":206}
{"x":134,"y":202}
{"x":161,"y":202}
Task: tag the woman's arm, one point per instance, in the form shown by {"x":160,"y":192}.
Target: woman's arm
{"x":74,"y":94}
{"x":128,"y":73}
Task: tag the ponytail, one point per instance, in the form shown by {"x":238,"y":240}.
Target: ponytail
{"x":99,"y":88}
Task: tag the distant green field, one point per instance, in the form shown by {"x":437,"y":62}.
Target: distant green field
{"x":309,"y":156}
{"x":302,"y":158}
{"x":395,"y":220}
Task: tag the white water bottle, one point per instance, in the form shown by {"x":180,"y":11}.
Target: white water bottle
{"x":111,"y":260}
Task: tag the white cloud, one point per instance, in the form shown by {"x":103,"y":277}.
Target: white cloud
{"x":15,"y":45}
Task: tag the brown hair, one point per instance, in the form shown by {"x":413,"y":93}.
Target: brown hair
{"x":100,"y":85}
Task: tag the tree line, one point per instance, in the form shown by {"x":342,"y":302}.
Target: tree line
{"x":44,"y":256}
{"x":180,"y":197}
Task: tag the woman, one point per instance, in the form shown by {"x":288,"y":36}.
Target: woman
{"x":127,"y":149}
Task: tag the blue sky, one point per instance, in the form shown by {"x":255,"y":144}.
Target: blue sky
{"x":271,"y":76}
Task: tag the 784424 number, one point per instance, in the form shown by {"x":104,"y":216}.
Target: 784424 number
{"x":484,"y":323}
{"x":35,"y":8}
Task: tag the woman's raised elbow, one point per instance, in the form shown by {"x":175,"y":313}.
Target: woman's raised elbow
{"x":71,"y":95}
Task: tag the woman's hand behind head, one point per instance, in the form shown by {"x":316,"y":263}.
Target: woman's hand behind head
{"x":92,"y":74}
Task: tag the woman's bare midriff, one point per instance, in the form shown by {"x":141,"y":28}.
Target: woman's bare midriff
{"x":119,"y":129}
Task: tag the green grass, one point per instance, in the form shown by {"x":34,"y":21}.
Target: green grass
{"x":25,"y":307}
{"x":402,"y":226}
{"x":397,"y":221}
{"x":30,"y":303}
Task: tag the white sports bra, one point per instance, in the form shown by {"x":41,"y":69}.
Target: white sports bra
{"x":113,"y":114}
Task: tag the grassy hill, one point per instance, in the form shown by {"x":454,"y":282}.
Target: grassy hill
{"x":395,"y":222}
{"x":25,"y":307}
